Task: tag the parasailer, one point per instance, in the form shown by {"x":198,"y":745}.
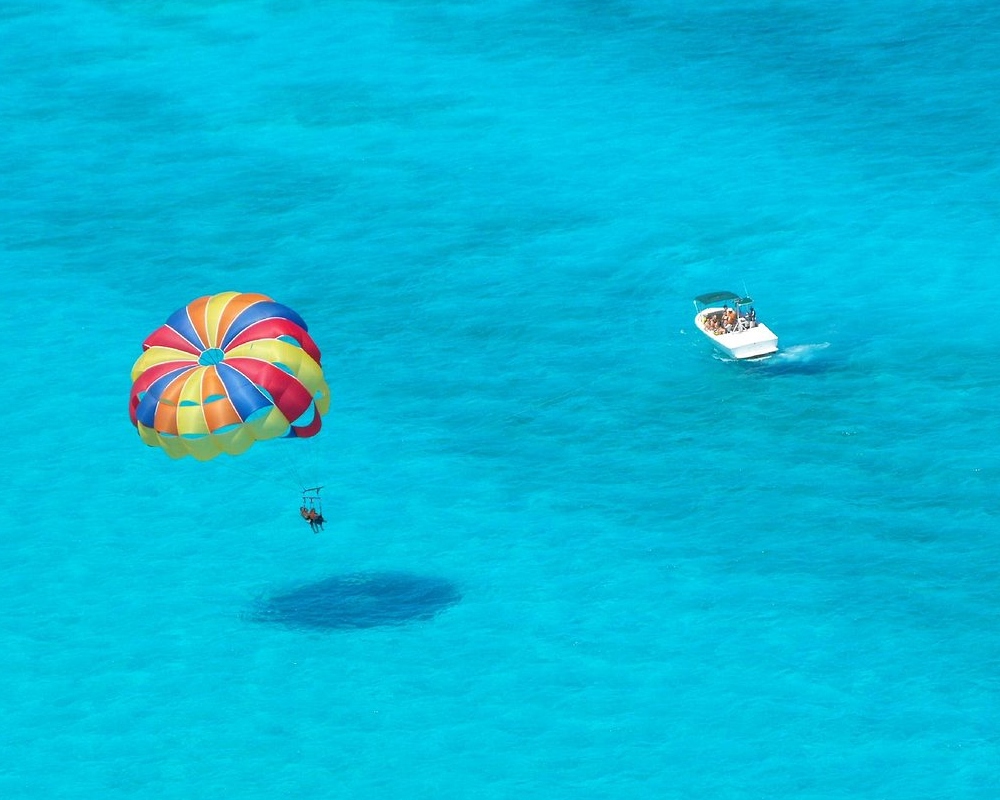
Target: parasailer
{"x":312,"y":508}
{"x":225,"y":371}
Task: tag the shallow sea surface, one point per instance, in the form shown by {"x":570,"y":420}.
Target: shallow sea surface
{"x":571,"y":552}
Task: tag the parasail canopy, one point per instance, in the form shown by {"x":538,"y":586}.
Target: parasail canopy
{"x":225,"y":371}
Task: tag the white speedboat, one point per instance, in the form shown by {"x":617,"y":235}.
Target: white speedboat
{"x":730,"y":321}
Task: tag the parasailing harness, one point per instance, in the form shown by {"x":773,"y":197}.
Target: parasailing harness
{"x":312,"y":508}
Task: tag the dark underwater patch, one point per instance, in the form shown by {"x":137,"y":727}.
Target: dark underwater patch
{"x":359,"y":600}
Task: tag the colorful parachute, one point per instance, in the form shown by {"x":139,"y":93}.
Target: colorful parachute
{"x":225,"y":371}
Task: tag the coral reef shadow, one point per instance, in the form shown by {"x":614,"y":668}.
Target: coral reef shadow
{"x":358,"y":600}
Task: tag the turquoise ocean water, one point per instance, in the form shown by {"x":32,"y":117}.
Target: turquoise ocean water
{"x":571,"y":553}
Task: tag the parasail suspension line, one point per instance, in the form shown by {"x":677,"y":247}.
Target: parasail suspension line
{"x":311,"y":498}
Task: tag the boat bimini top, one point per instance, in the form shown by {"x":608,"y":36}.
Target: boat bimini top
{"x":721,"y":297}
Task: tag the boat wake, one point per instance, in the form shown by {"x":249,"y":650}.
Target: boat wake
{"x":801,"y":352}
{"x":800,"y":359}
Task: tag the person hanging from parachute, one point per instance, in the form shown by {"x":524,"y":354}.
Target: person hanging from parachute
{"x":224,"y":372}
{"x":313,"y":512}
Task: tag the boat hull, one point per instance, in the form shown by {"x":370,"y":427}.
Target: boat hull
{"x":752,"y":342}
